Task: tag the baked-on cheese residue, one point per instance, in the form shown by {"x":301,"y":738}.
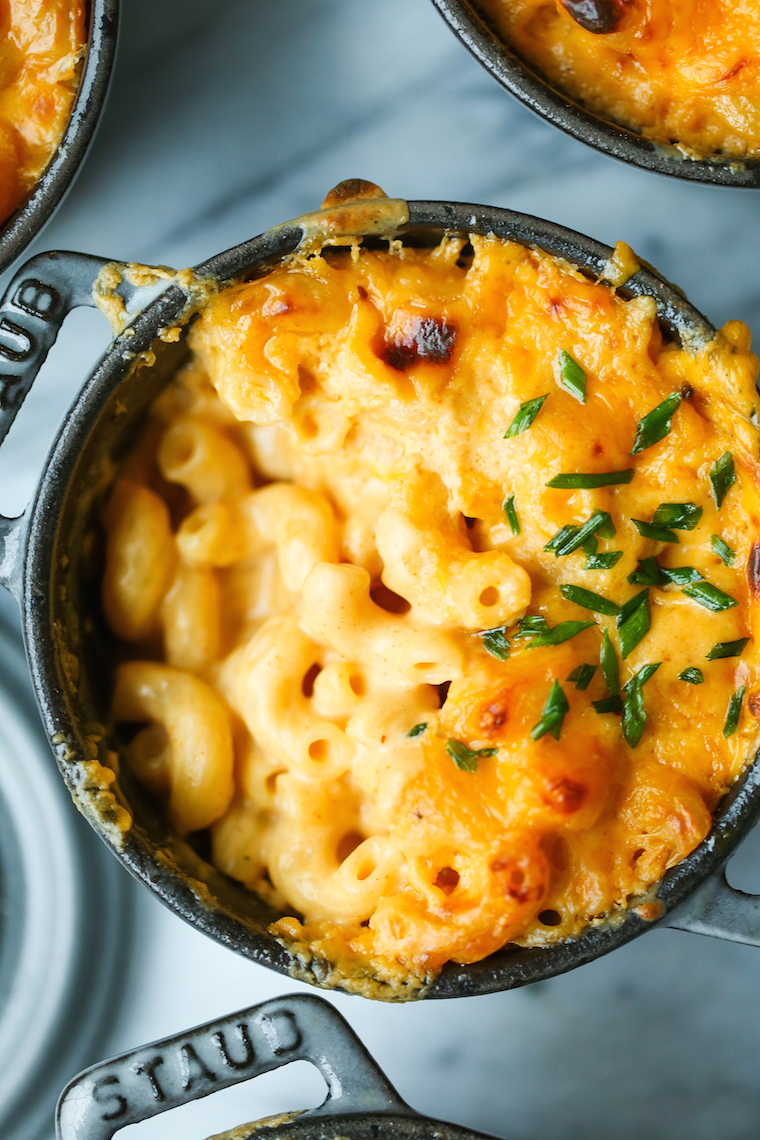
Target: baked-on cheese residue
{"x":440,"y":570}
{"x":41,"y":44}
{"x":677,"y":71}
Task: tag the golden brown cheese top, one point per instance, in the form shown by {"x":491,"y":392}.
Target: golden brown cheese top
{"x":360,"y":554}
{"x":41,"y":45}
{"x":677,"y":71}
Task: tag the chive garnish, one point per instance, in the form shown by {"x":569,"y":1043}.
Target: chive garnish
{"x":418,"y":729}
{"x":562,"y":632}
{"x":656,"y":424}
{"x":612,"y":704}
{"x":709,"y":596}
{"x":727,"y":649}
{"x":496,"y":642}
{"x":589,"y":600}
{"x":648,"y":573}
{"x":634,"y":713}
{"x":511,"y":513}
{"x":467,"y":758}
{"x":590,"y":546}
{"x":681,"y":575}
{"x":530,"y":624}
{"x":588,"y":482}
{"x":722,"y":477}
{"x":693,"y":675}
{"x":610,"y":665}
{"x":526,"y":414}
{"x":572,"y":375}
{"x":677,"y":516}
{"x":634,"y":622}
{"x":722,"y":549}
{"x":734,"y":711}
{"x":553,"y":713}
{"x":603,"y":561}
{"x":582,"y":674}
{"x":561,"y":537}
{"x":570,"y":538}
{"x":657,"y":533}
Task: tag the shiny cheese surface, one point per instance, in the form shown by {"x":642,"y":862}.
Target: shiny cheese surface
{"x":678,"y":71}
{"x":318,"y":510}
{"x":41,"y":45}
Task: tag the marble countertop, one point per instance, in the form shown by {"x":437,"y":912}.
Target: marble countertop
{"x":223,"y":120}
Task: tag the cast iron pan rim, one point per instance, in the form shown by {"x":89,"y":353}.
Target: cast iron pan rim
{"x":504,"y":970}
{"x":58,"y":176}
{"x":601,"y":134}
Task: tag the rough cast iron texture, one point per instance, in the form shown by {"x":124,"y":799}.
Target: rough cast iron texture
{"x":50,"y":560}
{"x":535,"y":92}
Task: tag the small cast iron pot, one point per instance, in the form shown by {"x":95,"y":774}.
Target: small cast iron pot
{"x":558,"y":108}
{"x":50,"y":188}
{"x":361,"y":1104}
{"x":51,"y":560}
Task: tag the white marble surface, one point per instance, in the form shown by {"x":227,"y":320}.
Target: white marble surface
{"x":224,"y":119}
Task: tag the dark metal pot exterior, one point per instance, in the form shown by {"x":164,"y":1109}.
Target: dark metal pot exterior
{"x":55,"y":181}
{"x":537,"y":93}
{"x":50,"y":563}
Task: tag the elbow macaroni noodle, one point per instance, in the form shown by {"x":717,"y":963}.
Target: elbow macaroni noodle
{"x":311,"y":538}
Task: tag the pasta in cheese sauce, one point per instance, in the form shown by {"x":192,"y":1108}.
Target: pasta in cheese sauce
{"x":439,"y":571}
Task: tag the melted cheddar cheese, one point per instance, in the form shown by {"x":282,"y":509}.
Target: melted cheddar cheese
{"x":327,"y":483}
{"x":41,"y":44}
{"x":677,"y":71}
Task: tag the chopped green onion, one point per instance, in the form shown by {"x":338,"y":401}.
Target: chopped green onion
{"x":562,"y":632}
{"x":612,"y":704}
{"x":722,"y":477}
{"x":589,"y":600}
{"x":709,"y":596}
{"x":727,"y":649}
{"x":496,"y":642}
{"x":734,"y":710}
{"x":561,"y":537}
{"x":526,"y":414}
{"x":511,"y":513}
{"x":418,"y":729}
{"x":467,"y":758}
{"x":610,"y":665}
{"x":657,"y":533}
{"x":648,"y":573}
{"x":570,"y":538}
{"x":656,"y":424}
{"x":590,"y":546}
{"x":573,"y":376}
{"x":677,"y":516}
{"x":553,"y":713}
{"x":634,"y":622}
{"x":603,"y":561}
{"x":681,"y":575}
{"x":530,"y":624}
{"x":722,"y":549}
{"x":572,"y":481}
{"x":582,"y":675}
{"x":634,"y":713}
{"x":693,"y":675}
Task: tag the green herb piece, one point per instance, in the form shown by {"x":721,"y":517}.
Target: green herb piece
{"x":677,"y":516}
{"x":418,"y":729}
{"x":526,"y":414}
{"x":589,"y":600}
{"x":734,"y":710}
{"x":511,"y":513}
{"x":553,"y":713}
{"x":590,"y":546}
{"x":722,"y":549}
{"x":612,"y":704}
{"x":570,"y":538}
{"x":648,"y":573}
{"x":634,"y":622}
{"x":579,"y":481}
{"x":573,"y":376}
{"x":656,"y":424}
{"x":582,"y":675}
{"x":722,"y":477}
{"x":561,"y":537}
{"x":496,"y":642}
{"x":709,"y":596}
{"x":681,"y":575}
{"x":530,"y":624}
{"x":657,"y":533}
{"x":467,"y":758}
{"x":603,"y":561}
{"x":610,"y":665}
{"x":727,"y":649}
{"x":562,"y":632}
{"x":634,"y":713}
{"x":693,"y":675}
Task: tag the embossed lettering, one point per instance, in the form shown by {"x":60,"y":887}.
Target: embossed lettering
{"x":16,"y":344}
{"x":191,"y":1066}
{"x":149,"y":1069}
{"x":103,"y":1093}
{"x":241,"y":1031}
{"x":38,"y":299}
{"x":281,"y":1031}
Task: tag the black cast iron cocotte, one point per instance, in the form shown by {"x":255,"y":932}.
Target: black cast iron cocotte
{"x":51,"y":560}
{"x":529,"y":86}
